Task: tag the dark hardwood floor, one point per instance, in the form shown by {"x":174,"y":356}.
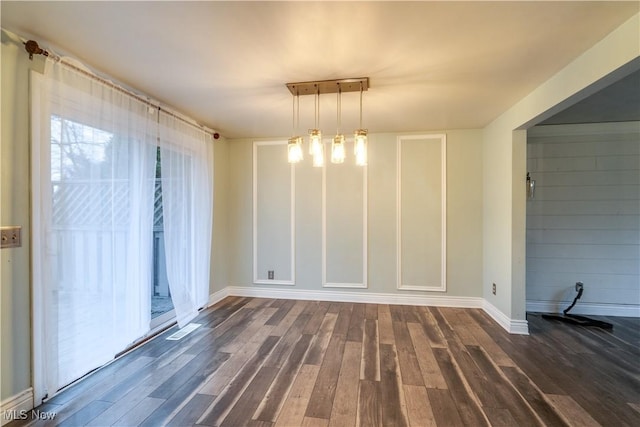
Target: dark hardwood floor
{"x":262,"y":363}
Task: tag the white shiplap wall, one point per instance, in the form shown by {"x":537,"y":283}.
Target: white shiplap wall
{"x":584,"y":222}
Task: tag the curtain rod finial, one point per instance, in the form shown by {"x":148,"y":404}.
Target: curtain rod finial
{"x":31,"y":46}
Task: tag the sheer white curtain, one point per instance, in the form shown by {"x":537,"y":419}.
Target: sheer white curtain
{"x":94,"y":154}
{"x":186,"y":154}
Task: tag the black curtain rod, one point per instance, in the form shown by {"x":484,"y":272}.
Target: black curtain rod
{"x":32,"y":48}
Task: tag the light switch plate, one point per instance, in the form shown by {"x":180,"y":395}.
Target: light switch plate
{"x":10,"y":237}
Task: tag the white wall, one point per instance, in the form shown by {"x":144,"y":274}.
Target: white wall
{"x":504,"y":159}
{"x":584,"y":222}
{"x":15,"y":321}
{"x":464,"y":217}
{"x":219,"y":239}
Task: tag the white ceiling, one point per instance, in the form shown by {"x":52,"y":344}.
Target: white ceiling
{"x":432,"y":65}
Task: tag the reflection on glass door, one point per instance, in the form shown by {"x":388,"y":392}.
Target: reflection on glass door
{"x":161,"y":303}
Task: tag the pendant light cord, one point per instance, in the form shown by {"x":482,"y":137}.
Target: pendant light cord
{"x":339,"y":110}
{"x":315,"y":111}
{"x":360,"y":105}
{"x":297,"y":113}
{"x":317,"y":108}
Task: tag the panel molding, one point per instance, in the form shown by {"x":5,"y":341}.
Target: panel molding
{"x":292,"y":207}
{"x":364,"y":283}
{"x":443,"y":244}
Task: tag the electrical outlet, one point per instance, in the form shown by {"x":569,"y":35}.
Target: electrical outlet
{"x":493,"y":289}
{"x":270,"y":274}
{"x":10,"y":237}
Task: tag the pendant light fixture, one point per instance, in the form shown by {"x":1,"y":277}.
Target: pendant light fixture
{"x":316,"y":147}
{"x":337,"y":146}
{"x":318,"y":157}
{"x":360,"y":139}
{"x":294,"y":146}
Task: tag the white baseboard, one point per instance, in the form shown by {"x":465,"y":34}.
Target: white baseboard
{"x":14,"y":407}
{"x":356,"y":297}
{"x":512,"y":326}
{"x":218,"y":296}
{"x":585,"y":308}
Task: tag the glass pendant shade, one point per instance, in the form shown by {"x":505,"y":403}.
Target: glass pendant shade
{"x":360,"y":147}
{"x":337,"y":149}
{"x":317,"y":149}
{"x":318,"y":156}
{"x":294,"y":149}
{"x":315,"y":141}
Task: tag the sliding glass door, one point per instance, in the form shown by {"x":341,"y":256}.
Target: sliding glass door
{"x":162,"y":309}
{"x":122,"y":217}
{"x":94,"y":155}
{"x":90,"y":239}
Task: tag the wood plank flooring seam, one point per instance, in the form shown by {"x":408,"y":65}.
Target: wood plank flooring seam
{"x":249,"y":372}
{"x":273,"y":400}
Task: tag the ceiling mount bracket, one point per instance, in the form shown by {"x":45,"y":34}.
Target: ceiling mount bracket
{"x":329,"y":86}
